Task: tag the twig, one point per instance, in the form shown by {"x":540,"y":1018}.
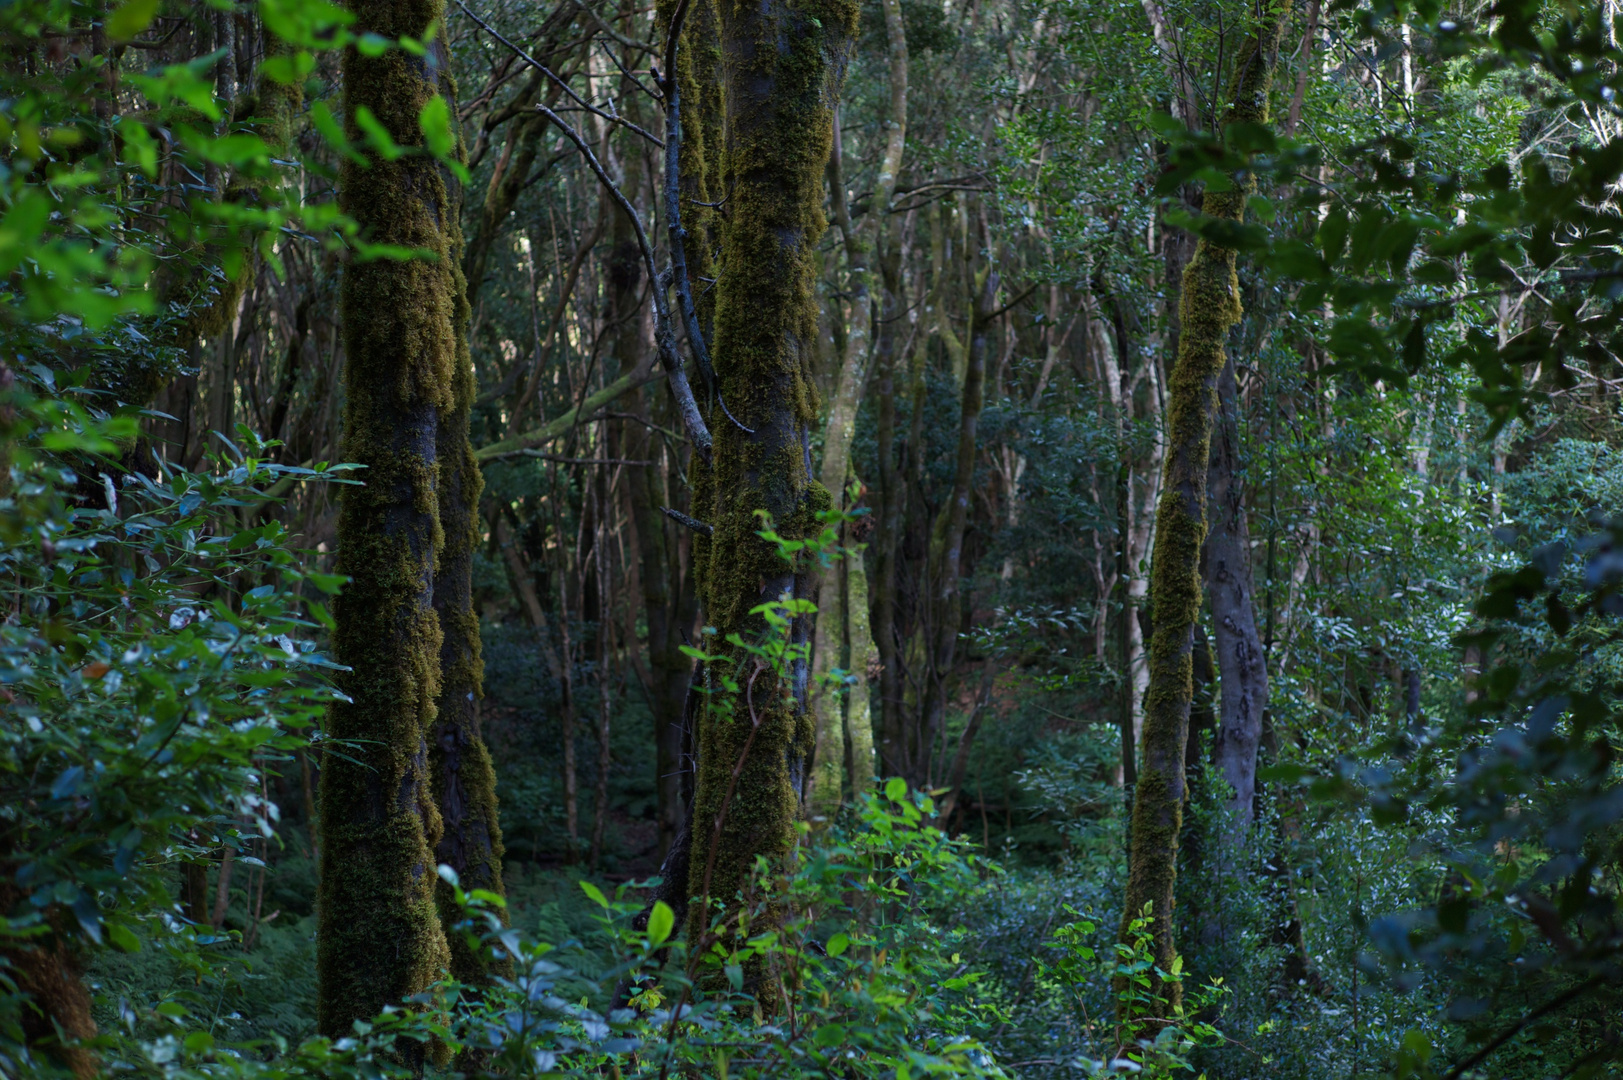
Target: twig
{"x":1515,"y":1029}
{"x":693,"y":523}
{"x":564,"y":460}
{"x":562,"y":85}
{"x":1012,"y":303}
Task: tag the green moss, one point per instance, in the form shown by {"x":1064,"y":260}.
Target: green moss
{"x":380,"y":938}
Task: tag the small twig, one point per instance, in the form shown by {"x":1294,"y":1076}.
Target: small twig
{"x":1012,"y":303}
{"x":736,"y":423}
{"x":693,"y":523}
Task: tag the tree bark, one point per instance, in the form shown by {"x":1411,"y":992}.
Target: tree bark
{"x":463,"y":778}
{"x":824,"y":795}
{"x":781,"y":68}
{"x":943,"y":603}
{"x":379,"y":938}
{"x":1209,"y":306}
{"x":1240,"y":659}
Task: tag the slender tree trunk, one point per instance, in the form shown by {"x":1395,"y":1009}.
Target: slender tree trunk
{"x":778,"y":100}
{"x":824,"y":795}
{"x":379,"y":939}
{"x":1209,"y":306}
{"x":463,"y":778}
{"x":943,"y":604}
{"x":1240,"y":659}
{"x":858,"y":711}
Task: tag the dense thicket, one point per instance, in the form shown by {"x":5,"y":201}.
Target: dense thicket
{"x":958,"y":536}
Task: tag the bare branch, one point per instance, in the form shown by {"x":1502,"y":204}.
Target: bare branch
{"x":664,"y":337}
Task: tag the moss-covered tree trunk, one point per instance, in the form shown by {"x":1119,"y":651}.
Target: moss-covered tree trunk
{"x":781,"y":66}
{"x":379,"y":937}
{"x":464,"y":781}
{"x":1209,"y":306}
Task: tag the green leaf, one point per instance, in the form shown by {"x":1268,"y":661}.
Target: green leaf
{"x":131,"y":18}
{"x":327,"y":125}
{"x":837,"y":944}
{"x":377,"y":135}
{"x":439,"y":136}
{"x":660,"y":922}
{"x":896,"y":789}
{"x":290,"y":70}
{"x":594,"y":894}
{"x":829,"y":1035}
{"x":122,"y":938}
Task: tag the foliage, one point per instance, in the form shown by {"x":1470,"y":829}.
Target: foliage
{"x":163,"y":656}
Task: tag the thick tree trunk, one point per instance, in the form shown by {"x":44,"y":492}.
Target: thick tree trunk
{"x":1240,"y":659}
{"x":379,"y":939}
{"x":781,"y":69}
{"x":1209,"y":306}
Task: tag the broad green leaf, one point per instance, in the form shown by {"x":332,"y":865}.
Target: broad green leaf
{"x":131,"y":17}
{"x":660,"y":922}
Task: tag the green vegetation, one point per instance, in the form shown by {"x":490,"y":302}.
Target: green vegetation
{"x":1100,"y":557}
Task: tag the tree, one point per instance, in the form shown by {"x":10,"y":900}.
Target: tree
{"x":1209,"y":306}
{"x":782,"y":67}
{"x":380,"y":938}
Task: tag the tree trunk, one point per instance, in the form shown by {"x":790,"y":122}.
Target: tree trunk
{"x":858,"y":710}
{"x":1240,"y":660}
{"x":464,"y":781}
{"x":379,"y":938}
{"x":944,"y":600}
{"x":1209,"y":306}
{"x":824,"y":795}
{"x":781,"y":70}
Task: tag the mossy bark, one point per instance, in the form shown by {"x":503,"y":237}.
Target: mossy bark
{"x":463,"y":779}
{"x":379,"y":937}
{"x":48,"y":971}
{"x":1209,"y":306}
{"x":781,"y":68}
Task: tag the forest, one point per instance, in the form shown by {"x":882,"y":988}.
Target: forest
{"x":857,"y":539}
